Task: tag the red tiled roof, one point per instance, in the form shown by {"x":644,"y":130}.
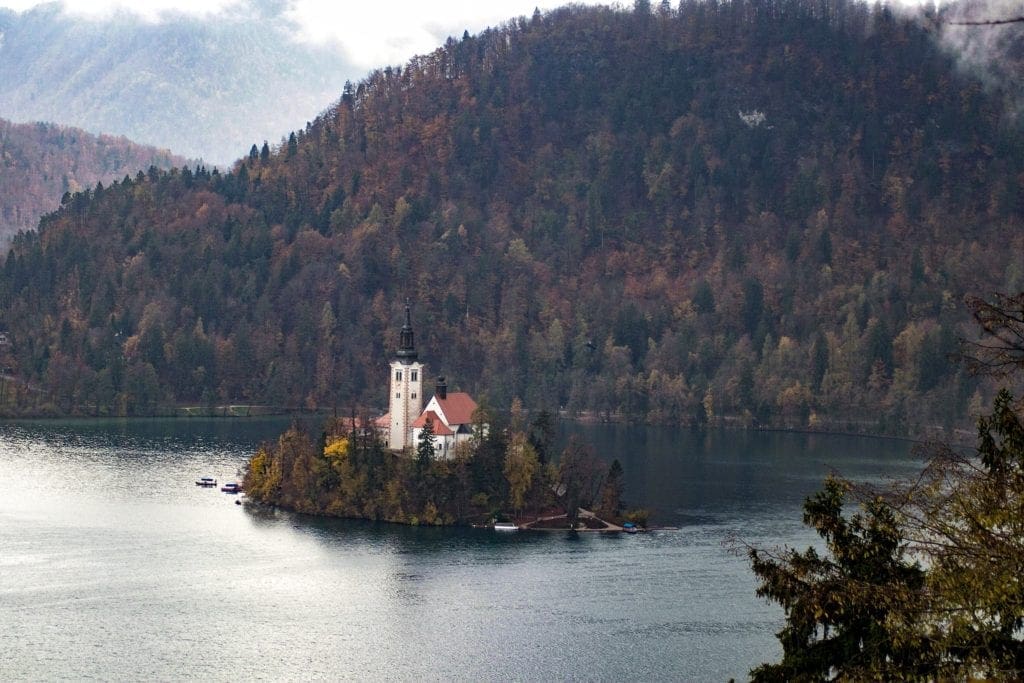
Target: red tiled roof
{"x":440,"y":428}
{"x":458,"y":407}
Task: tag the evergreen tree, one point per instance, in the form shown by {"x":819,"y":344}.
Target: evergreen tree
{"x":851,"y":614}
{"x":425,"y":445}
{"x":611,"y":496}
{"x":542,"y":436}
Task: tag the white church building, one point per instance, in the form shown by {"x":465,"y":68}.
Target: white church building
{"x":451,"y":414}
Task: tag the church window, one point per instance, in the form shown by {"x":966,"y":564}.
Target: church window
{"x":414,"y":394}
{"x":415,"y":374}
{"x":398,"y":375}
{"x":398,"y":395}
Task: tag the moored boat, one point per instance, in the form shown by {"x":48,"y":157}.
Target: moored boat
{"x":505,"y":526}
{"x":206,"y":481}
{"x":629,"y":528}
{"x":231,"y":488}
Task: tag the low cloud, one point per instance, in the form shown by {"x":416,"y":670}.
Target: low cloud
{"x":992,"y":53}
{"x":370,"y":34}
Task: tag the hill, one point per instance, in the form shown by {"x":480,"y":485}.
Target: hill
{"x":765,"y":210}
{"x":40,"y":162}
{"x":206,"y":89}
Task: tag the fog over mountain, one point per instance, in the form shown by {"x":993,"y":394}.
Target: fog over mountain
{"x":202,"y":88}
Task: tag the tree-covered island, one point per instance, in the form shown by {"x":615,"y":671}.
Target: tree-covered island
{"x":450,"y":461}
{"x":503,"y":472}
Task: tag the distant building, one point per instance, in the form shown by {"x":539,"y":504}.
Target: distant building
{"x":450,"y":413}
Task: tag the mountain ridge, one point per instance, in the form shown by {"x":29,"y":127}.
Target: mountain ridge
{"x":40,"y":162}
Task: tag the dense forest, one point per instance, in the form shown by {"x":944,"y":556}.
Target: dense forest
{"x":761,"y":211}
{"x":39,"y":162}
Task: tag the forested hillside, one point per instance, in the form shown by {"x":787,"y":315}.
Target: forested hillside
{"x":39,"y":162}
{"x":767,"y":210}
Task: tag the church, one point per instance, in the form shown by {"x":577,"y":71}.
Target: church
{"x":451,"y":413}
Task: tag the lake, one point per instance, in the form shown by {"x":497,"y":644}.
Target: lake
{"x":114,"y":565}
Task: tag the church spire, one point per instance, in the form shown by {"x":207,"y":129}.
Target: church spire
{"x":407,"y":346}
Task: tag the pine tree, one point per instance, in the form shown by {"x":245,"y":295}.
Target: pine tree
{"x":850,"y":613}
{"x":425,"y":445}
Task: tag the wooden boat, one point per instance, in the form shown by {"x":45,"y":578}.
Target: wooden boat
{"x":206,"y":481}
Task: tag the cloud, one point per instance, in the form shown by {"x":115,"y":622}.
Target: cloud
{"x":371,"y":34}
{"x":375,"y":34}
{"x":150,"y":10}
{"x":993,"y":54}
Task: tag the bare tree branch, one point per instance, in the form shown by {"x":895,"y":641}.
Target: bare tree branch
{"x":1000,"y":350}
{"x":987,"y":22}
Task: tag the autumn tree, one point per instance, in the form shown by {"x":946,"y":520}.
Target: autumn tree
{"x":521,"y":465}
{"x":542,"y":436}
{"x":965,"y":515}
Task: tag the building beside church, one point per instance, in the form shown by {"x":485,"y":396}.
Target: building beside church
{"x":451,"y":414}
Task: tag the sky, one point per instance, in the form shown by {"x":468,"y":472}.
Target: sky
{"x":371,"y":34}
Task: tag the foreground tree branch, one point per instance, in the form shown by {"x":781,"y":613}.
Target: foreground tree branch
{"x":988,"y":22}
{"x":1000,"y":350}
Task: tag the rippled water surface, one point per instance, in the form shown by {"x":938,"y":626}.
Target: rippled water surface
{"x":114,"y":565}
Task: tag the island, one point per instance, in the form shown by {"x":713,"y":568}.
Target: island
{"x":504,"y":474}
{"x":452,"y":462}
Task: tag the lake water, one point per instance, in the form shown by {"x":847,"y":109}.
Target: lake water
{"x":115,"y":566}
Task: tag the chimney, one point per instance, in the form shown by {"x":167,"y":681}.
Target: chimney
{"x":441,"y":390}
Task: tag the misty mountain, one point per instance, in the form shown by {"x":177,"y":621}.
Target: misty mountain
{"x":204,"y":89}
{"x":40,"y":162}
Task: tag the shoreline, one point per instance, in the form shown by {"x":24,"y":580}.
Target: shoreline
{"x":609,"y":527}
{"x":961,"y":436}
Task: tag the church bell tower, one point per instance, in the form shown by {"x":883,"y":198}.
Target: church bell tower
{"x":406,"y":398}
